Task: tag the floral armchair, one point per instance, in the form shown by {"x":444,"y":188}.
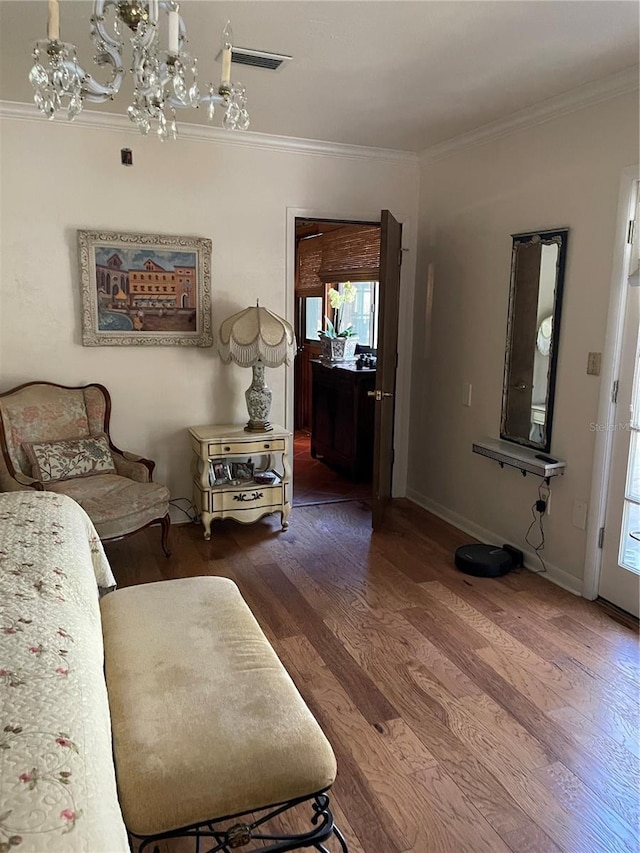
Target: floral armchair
{"x":56,"y":438}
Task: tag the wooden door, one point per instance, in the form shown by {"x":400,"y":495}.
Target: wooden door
{"x":389,"y":299}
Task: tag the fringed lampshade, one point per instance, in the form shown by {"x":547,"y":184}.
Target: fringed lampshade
{"x":257,"y":338}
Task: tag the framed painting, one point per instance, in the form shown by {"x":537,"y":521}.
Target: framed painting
{"x":145,"y":289}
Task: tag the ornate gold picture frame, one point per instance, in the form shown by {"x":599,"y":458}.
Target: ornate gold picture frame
{"x":145,"y":289}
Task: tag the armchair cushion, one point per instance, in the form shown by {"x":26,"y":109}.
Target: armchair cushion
{"x":116,"y":505}
{"x":132,"y":466}
{"x":75,"y":457}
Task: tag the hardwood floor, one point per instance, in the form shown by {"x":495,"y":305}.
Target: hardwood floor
{"x":466,"y":714}
{"x":316,"y":483}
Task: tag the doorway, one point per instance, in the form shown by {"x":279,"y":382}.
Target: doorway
{"x":388,"y":356}
{"x":620,"y":570}
{"x":336,"y":287}
{"x":613,"y":558}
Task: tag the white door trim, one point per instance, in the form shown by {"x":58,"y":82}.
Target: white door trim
{"x":610,"y":366}
{"x":405,"y":327}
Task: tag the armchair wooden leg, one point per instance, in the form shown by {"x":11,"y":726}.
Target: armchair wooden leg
{"x":166,"y":527}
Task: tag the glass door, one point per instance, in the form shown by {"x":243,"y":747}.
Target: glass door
{"x":620,"y":568}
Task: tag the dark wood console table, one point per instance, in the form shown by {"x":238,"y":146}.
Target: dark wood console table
{"x":343,"y":418}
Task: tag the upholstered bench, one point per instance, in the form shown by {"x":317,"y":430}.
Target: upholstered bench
{"x":207,"y":724}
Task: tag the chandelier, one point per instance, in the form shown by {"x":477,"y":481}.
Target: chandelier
{"x":165,"y":77}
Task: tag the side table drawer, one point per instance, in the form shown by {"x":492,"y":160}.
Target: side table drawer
{"x":220,"y":500}
{"x":242,"y":448}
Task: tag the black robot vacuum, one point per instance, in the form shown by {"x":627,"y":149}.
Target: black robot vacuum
{"x":488,"y":561}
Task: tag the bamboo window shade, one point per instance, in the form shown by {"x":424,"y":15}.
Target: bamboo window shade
{"x":351,"y":253}
{"x":309,"y":259}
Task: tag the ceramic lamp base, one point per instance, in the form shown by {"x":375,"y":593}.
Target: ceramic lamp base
{"x":258,"y":427}
{"x":258,"y":398}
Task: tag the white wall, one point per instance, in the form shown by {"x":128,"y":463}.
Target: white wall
{"x":565,"y":172}
{"x":56,"y":178}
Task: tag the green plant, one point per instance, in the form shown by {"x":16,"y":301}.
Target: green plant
{"x":338,"y":300}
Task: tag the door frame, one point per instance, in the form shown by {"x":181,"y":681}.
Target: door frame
{"x":405,"y":325}
{"x":610,"y":367}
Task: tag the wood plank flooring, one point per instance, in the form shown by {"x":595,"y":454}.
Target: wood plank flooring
{"x":316,"y":483}
{"x":466,"y":714}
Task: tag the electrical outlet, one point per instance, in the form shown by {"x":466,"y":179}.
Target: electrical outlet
{"x":594,"y":360}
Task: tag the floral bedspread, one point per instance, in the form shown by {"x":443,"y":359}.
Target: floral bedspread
{"x":57,"y":781}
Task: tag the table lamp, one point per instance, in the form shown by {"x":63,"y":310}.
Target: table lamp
{"x":257,"y":338}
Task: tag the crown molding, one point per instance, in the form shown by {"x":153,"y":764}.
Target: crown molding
{"x":584,"y":96}
{"x":205,"y":133}
{"x":576,"y":99}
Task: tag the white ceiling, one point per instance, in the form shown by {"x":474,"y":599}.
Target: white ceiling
{"x":403,"y":74}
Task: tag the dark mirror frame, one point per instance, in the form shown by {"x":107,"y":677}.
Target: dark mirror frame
{"x":559,"y":237}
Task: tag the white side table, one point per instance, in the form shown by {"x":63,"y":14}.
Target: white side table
{"x":247,"y":501}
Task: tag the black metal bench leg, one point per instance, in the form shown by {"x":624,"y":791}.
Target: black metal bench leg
{"x":166,"y":527}
{"x":224,"y":840}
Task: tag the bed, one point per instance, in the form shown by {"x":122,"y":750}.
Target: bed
{"x":57,"y":779}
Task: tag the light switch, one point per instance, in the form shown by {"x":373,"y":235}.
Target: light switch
{"x":466,"y":394}
{"x":579,"y":516}
{"x":594,"y":361}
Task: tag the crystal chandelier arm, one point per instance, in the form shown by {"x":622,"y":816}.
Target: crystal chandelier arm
{"x":204,"y":101}
{"x":99,"y":92}
{"x":109,"y":51}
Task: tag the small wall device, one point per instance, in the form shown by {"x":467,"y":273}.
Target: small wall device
{"x":488,"y":561}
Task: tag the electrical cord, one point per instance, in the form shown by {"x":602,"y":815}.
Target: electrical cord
{"x":191,"y":513}
{"x":538,"y":510}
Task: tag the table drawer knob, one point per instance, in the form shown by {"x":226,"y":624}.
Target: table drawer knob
{"x":267,"y":446}
{"x":227,"y":449}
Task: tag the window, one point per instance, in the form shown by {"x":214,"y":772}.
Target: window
{"x":362,"y":313}
{"x":314,"y":320}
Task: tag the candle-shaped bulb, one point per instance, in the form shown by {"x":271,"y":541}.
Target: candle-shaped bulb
{"x":227,"y":35}
{"x":174,"y":32}
{"x":53,"y":30}
{"x":227,"y":42}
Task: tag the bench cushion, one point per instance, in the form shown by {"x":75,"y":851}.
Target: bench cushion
{"x":206,"y":721}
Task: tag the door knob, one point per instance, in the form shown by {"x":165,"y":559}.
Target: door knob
{"x":521,"y":386}
{"x":379,"y":394}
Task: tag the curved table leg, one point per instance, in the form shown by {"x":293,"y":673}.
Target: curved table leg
{"x":206,"y":518}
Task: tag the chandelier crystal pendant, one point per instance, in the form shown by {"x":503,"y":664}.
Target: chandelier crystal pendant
{"x":165,"y":78}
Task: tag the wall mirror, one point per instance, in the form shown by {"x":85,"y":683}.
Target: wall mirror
{"x":533,"y":329}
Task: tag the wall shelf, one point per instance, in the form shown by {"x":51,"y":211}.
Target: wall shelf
{"x":525,"y":459}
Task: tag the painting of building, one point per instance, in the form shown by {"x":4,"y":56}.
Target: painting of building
{"x":145,"y":289}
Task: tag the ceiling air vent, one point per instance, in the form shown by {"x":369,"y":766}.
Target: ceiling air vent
{"x":257,"y":58}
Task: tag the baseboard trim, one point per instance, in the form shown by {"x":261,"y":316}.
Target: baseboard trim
{"x":553,"y":573}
